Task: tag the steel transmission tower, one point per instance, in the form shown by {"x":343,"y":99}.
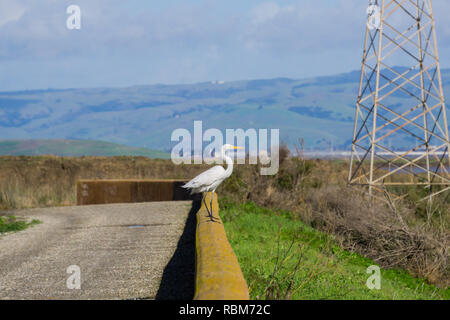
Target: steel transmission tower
{"x":400,"y":135}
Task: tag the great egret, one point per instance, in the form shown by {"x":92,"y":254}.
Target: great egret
{"x":209,"y":180}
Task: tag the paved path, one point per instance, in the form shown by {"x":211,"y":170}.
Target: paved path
{"x":122,"y":251}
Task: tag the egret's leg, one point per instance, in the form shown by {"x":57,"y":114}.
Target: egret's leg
{"x":210,"y":204}
{"x":212,"y":211}
{"x":206,"y":206}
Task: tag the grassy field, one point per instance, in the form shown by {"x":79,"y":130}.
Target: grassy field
{"x":282,"y":258}
{"x":11,"y":223}
{"x":74,"y":148}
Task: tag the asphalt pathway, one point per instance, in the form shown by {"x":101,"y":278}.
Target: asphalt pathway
{"x":122,"y":251}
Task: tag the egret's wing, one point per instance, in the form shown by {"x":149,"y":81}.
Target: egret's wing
{"x":206,"y":178}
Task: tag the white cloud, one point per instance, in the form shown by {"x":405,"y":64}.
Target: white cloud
{"x":264,"y":12}
{"x":307,"y":25}
{"x":10,"y":11}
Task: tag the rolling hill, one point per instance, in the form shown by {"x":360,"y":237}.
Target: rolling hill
{"x":319,"y":110}
{"x":70,"y":148}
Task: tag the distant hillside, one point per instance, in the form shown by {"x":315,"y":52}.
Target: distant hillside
{"x":319,"y":110}
{"x":71,"y":148}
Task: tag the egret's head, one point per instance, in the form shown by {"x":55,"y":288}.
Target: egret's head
{"x":227,"y":147}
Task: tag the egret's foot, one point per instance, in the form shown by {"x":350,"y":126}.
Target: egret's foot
{"x":209,"y":210}
{"x":213,"y":219}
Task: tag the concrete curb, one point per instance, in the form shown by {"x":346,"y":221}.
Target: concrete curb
{"x":218,"y":274}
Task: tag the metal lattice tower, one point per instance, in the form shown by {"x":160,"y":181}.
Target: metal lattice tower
{"x":400,"y":135}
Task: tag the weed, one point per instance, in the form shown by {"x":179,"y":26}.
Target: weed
{"x":11,"y":223}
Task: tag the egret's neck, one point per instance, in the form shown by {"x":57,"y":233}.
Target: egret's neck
{"x":230,"y":163}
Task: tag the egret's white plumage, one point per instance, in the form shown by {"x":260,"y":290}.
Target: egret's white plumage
{"x":209,"y":180}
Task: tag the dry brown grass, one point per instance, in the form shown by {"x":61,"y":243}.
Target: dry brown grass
{"x":315,"y":190}
{"x":27,"y":182}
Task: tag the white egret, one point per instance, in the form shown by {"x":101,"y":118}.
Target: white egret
{"x":209,"y":180}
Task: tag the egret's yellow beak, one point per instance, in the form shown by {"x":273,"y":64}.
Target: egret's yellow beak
{"x":238,"y":148}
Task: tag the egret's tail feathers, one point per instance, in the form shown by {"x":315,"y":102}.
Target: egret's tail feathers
{"x":187,"y":185}
{"x":191,"y":187}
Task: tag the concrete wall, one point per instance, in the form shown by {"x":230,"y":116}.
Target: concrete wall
{"x":128,"y":191}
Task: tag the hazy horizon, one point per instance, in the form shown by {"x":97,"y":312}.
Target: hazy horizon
{"x":188,"y":83}
{"x":212,"y":81}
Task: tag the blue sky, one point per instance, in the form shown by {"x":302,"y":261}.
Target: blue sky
{"x":124,"y":43}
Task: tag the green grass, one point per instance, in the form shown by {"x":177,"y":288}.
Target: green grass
{"x":74,"y":148}
{"x":13,"y":224}
{"x":282,"y":258}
